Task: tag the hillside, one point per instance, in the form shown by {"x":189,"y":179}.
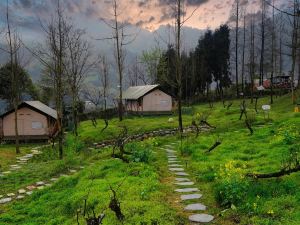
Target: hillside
{"x":145,"y":185}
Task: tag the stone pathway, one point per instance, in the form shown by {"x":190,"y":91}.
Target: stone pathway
{"x":187,"y":190}
{"x":21,"y":161}
{"x":40,"y":185}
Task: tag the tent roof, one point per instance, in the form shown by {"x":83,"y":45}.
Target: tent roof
{"x":38,"y":106}
{"x":136,"y":92}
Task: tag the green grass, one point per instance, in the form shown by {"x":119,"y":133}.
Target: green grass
{"x":221,"y":173}
{"x":146,"y":185}
{"x":8,"y":154}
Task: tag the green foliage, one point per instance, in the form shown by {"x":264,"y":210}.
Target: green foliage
{"x":74,"y":144}
{"x":232,"y":185}
{"x":140,"y":152}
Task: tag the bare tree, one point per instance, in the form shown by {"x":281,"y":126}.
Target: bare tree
{"x":78,"y":66}
{"x":105,"y":83}
{"x":243,"y":54}
{"x":237,"y":46}
{"x":273,"y":61}
{"x":52,"y":55}
{"x":13,"y":50}
{"x":262,"y":49}
{"x":120,"y":39}
{"x":252,"y":57}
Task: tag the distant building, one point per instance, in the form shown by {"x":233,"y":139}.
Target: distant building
{"x":35,"y":121}
{"x":148,"y":99}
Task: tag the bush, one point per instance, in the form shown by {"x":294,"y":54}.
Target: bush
{"x":140,"y":152}
{"x":232,"y":185}
{"x":74,"y":144}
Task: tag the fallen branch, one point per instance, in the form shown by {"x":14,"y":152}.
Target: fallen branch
{"x":280,"y":173}
{"x":230,"y":104}
{"x":214,"y":146}
{"x":204,"y":122}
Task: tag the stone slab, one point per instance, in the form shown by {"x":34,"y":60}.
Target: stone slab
{"x":40,"y":183}
{"x":182,"y":174}
{"x":21,"y":191}
{"x":180,"y":179}
{"x":174,"y":165}
{"x":195,"y":207}
{"x":5,"y":200}
{"x":185,"y":183}
{"x":10,"y":194}
{"x":176,"y":169}
{"x":31,"y":187}
{"x":185,"y":190}
{"x":190,"y":197}
{"x":29,"y":193}
{"x":20,"y":197}
{"x":201,"y":218}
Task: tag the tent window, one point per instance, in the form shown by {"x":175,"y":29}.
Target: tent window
{"x":36,"y":125}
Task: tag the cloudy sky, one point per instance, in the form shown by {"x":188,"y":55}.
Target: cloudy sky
{"x":146,"y":16}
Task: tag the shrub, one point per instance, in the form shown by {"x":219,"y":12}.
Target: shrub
{"x":74,"y":144}
{"x":232,"y":185}
{"x":140,"y":152}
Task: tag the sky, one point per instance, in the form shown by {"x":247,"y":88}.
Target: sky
{"x":146,"y":17}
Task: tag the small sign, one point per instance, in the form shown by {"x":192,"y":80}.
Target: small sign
{"x":266,"y":107}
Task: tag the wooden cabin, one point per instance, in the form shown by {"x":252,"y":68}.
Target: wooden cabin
{"x":36,"y":121}
{"x":148,"y":99}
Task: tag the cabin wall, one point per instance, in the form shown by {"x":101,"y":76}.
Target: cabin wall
{"x":157,"y":101}
{"x":133,"y":106}
{"x":30,"y":123}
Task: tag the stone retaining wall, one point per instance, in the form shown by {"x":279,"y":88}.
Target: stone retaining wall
{"x":156,"y":133}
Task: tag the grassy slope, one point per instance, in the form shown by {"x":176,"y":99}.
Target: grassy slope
{"x":143,"y":197}
{"x":8,"y":155}
{"x":271,"y":201}
{"x":146,"y":194}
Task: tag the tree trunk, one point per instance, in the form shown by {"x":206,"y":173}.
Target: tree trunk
{"x":236,"y":49}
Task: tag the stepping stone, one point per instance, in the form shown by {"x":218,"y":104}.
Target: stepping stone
{"x":28,"y":156}
{"x":183,"y":190}
{"x":185,"y":183}
{"x":29,"y":193}
{"x":40,"y":183}
{"x":48,"y":185}
{"x":1,"y":196}
{"x":201,"y":218}
{"x":169,"y":146}
{"x":5,"y":200}
{"x":174,"y":165}
{"x":40,"y":187}
{"x":182,"y":174}
{"x":54,"y":179}
{"x":64,"y":175}
{"x":6,"y":172}
{"x":195,"y":207}
{"x":21,"y":191}
{"x":176,"y":169}
{"x":182,"y":179}
{"x":173,"y":161}
{"x":31,"y":187}
{"x":14,"y":165}
{"x":81,"y":167}
{"x":24,"y":159}
{"x":20,"y":197}
{"x":190,"y":197}
{"x":10,"y":194}
{"x":73,"y":171}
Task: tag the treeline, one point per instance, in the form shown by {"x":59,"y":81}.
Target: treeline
{"x":208,"y":63}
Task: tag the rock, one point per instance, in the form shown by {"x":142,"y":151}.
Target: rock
{"x":31,"y":187}
{"x":190,"y":197}
{"x":28,"y":156}
{"x":40,"y":187}
{"x":183,"y":190}
{"x":20,"y":197}
{"x":6,"y":172}
{"x":170,"y":120}
{"x":174,"y":165}
{"x":29,"y":193}
{"x":5,"y":200}
{"x":182,"y":179}
{"x":201,"y":218}
{"x":40,"y":183}
{"x":176,"y":169}
{"x":73,"y":171}
{"x":185,"y":183}
{"x":48,"y":185}
{"x":21,"y":191}
{"x":195,"y":207}
{"x":182,"y":174}
{"x":81,"y":167}
{"x":10,"y":194}
{"x":53,"y":179}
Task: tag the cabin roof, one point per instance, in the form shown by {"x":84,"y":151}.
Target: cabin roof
{"x":37,"y":106}
{"x":136,"y":92}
